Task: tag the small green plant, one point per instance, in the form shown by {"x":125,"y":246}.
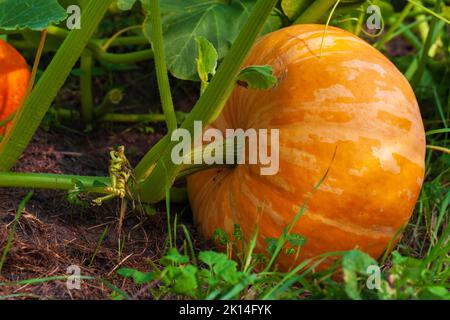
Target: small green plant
{"x":217,"y":276}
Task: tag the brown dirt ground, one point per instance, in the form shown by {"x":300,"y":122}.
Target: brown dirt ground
{"x":54,"y":234}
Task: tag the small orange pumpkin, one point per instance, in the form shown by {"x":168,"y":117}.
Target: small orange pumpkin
{"x":346,"y":97}
{"x":14,"y":78}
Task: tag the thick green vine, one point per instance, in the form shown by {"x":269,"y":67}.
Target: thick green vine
{"x":161,"y":67}
{"x":154,"y":179}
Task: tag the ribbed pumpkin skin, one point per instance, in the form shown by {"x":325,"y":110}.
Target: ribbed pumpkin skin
{"x":14,"y":77}
{"x":351,"y":98}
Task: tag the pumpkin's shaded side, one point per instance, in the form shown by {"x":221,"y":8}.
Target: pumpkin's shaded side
{"x":352,"y":98}
{"x":14,"y":77}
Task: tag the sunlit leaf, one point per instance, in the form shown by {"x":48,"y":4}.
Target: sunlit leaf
{"x":207,"y":59}
{"x":293,"y":8}
{"x":355,"y":263}
{"x":216,"y":20}
{"x":137,"y":276}
{"x":30,"y":14}
{"x":257,"y":77}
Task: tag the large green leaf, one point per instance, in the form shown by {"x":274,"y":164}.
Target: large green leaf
{"x":31,"y":14}
{"x":219,"y":21}
{"x":355,"y":263}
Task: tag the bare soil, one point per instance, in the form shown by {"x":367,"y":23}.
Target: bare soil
{"x":54,"y":234}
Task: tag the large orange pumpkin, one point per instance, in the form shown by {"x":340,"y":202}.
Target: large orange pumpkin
{"x":14,"y":77}
{"x":348,"y":98}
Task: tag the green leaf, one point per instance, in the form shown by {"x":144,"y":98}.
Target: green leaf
{"x":173,"y":256}
{"x":446,"y":11}
{"x":212,"y":258}
{"x":406,"y":268}
{"x":223,"y":267}
{"x":440,"y":292}
{"x":207,"y":277}
{"x":272,"y":245}
{"x":227,"y":270}
{"x":126,"y":5}
{"x":257,"y":77}
{"x":293,"y":8}
{"x":207,"y":59}
{"x":218,"y":21}
{"x":78,"y":185}
{"x":137,"y":276}
{"x":99,"y":184}
{"x":237,"y":233}
{"x":149,"y":209}
{"x":221,"y":237}
{"x":355,"y":263}
{"x":186,"y":280}
{"x":31,"y":14}
{"x":230,"y":274}
{"x":296,"y":240}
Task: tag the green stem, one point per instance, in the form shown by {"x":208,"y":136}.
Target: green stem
{"x":117,"y":42}
{"x":30,"y":115}
{"x":439,"y":148}
{"x":99,"y":54}
{"x":153,"y":179}
{"x":178,"y":195}
{"x":360,"y":22}
{"x":124,"y":41}
{"x":98,"y":43}
{"x":132,"y":118}
{"x":315,"y":11}
{"x":147,"y":164}
{"x":300,"y":6}
{"x":95,"y":42}
{"x":405,"y":30}
{"x":115,"y":117}
{"x":122,"y":58}
{"x":326,"y":26}
{"x":435,"y":66}
{"x":108,"y":42}
{"x":48,"y":181}
{"x":67,"y":114}
{"x":185,"y":172}
{"x":95,"y":45}
{"x":67,"y":183}
{"x":113,"y":98}
{"x":432,"y":12}
{"x":87,"y":99}
{"x":425,"y":50}
{"x":398,"y":22}
{"x":409,"y":35}
{"x":161,"y":67}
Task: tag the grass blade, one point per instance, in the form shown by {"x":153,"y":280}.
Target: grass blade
{"x":12,"y":232}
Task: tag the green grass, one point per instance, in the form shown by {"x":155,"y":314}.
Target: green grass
{"x":12,"y":231}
